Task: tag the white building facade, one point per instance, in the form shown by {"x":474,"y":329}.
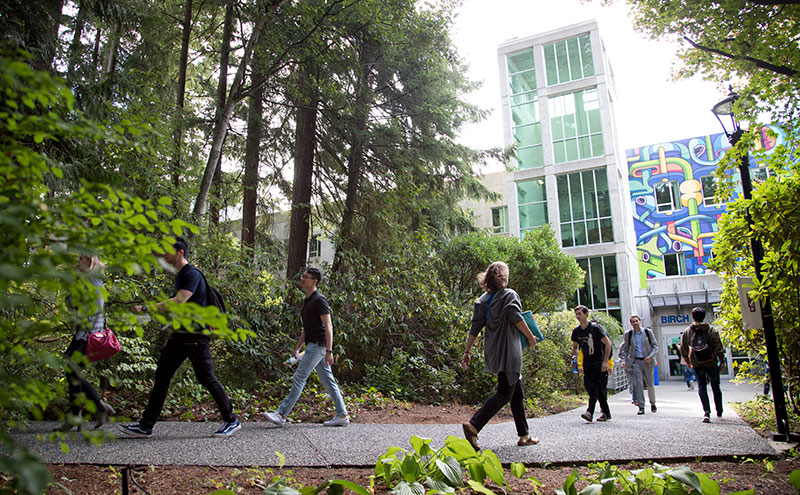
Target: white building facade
{"x":557,"y":96}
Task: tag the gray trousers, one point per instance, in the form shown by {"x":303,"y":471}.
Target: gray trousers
{"x":643,"y":373}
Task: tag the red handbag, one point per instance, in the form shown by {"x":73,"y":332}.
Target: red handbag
{"x":101,"y":345}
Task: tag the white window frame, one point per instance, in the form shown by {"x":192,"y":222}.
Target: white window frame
{"x":675,"y":198}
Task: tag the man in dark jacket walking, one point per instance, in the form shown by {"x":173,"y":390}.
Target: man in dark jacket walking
{"x":702,"y":348}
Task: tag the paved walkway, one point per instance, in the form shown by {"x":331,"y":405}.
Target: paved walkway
{"x":675,"y":432}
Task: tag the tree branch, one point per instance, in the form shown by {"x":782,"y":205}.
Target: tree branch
{"x":762,"y":64}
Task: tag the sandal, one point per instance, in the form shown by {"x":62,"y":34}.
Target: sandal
{"x":528,"y":440}
{"x":471,"y":434}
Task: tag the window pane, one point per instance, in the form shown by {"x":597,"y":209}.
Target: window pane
{"x":563,"y":199}
{"x":606,"y":230}
{"x":531,"y":191}
{"x":612,"y":284}
{"x":579,"y":232}
{"x":569,"y":126}
{"x":550,"y":64}
{"x":533,"y":215}
{"x":583,"y":292}
{"x":520,"y":61}
{"x":530,"y":157}
{"x":561,"y":58}
{"x":559,"y":152}
{"x":586,"y":55}
{"x":523,"y":97}
{"x":566,"y":235}
{"x":584,"y":147}
{"x":597,"y":145}
{"x":528,"y":135}
{"x":523,"y":82}
{"x":574,"y":59}
{"x":576,"y":191}
{"x":557,"y":128}
{"x":588,"y":194}
{"x":594,"y":120}
{"x":670,"y":265}
{"x":572,"y":149}
{"x":603,"y":201}
{"x":593,"y":231}
{"x":524,"y":114}
{"x":676,"y":198}
{"x":598,"y":283}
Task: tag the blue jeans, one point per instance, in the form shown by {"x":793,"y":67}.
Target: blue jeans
{"x":688,"y":375}
{"x":709,"y":375}
{"x":314,"y":358}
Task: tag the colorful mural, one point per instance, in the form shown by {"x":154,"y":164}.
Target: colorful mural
{"x":689,"y":229}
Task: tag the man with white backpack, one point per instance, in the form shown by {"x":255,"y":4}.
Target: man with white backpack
{"x":702,"y":348}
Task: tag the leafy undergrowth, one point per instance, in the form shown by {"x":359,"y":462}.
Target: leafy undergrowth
{"x":759,"y":413}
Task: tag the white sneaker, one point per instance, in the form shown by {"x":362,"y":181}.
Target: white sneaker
{"x":338,"y":421}
{"x":275,"y":418}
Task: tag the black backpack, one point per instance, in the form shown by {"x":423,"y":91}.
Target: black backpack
{"x":701,"y":346}
{"x":213,"y":297}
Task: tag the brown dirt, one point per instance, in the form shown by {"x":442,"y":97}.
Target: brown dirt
{"x":189,"y":480}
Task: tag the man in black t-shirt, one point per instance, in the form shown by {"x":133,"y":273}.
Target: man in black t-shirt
{"x":596,"y":348}
{"x":190,"y":287}
{"x":317,"y":335}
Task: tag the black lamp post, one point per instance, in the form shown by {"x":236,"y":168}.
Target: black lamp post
{"x":725,"y":108}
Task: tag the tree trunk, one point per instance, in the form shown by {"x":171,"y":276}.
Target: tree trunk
{"x":221,"y":128}
{"x":177,"y":136}
{"x":305,"y":145}
{"x":251,"y":163}
{"x":355,"y":161}
{"x":75,"y":45}
{"x":222,"y":91}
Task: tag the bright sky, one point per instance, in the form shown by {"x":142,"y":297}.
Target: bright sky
{"x":650,"y":108}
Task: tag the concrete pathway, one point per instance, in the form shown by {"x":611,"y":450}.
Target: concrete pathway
{"x":674,"y":432}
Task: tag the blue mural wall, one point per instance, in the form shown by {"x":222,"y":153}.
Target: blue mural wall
{"x":689,"y":229}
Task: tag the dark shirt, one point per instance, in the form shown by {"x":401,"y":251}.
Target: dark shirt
{"x":314,"y":307}
{"x":190,"y":278}
{"x":590,"y":341}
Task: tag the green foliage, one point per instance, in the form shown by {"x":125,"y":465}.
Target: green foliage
{"x":424,"y":470}
{"x":760,"y":413}
{"x":794,"y":478}
{"x":608,"y":479}
{"x":540,"y":272}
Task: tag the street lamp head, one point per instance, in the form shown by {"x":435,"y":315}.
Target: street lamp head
{"x":725,"y":109}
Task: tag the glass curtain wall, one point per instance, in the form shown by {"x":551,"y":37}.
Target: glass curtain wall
{"x":575,"y":125}
{"x":584,"y":208}
{"x":532,"y":202}
{"x":569,"y":60}
{"x":600,"y":291}
{"x":525,"y":124}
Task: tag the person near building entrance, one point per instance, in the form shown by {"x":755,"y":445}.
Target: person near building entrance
{"x":688,"y":372}
{"x":702,"y":348}
{"x":638,"y":351}
{"x":596,"y":348}
{"x":317,"y":336}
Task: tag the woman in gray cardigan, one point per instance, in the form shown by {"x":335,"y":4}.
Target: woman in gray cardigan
{"x":76,"y":382}
{"x":499,"y":311}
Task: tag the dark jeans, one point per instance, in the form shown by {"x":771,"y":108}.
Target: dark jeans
{"x":706,"y":375}
{"x":197,"y":349}
{"x":76,"y":382}
{"x":505,"y":392}
{"x":596,"y":382}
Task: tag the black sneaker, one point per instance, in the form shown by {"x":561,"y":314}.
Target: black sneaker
{"x":641,"y":411}
{"x":228,"y":428}
{"x":653,"y":408}
{"x":707,"y":418}
{"x":603,"y":417}
{"x":136,"y":430}
{"x":587,"y":416}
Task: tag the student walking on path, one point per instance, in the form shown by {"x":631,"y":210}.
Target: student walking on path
{"x":190,"y":287}
{"x":76,"y":350}
{"x":596,"y":348}
{"x":638,"y":351}
{"x":499,"y":311}
{"x":702,"y":348}
{"x":317,"y":335}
